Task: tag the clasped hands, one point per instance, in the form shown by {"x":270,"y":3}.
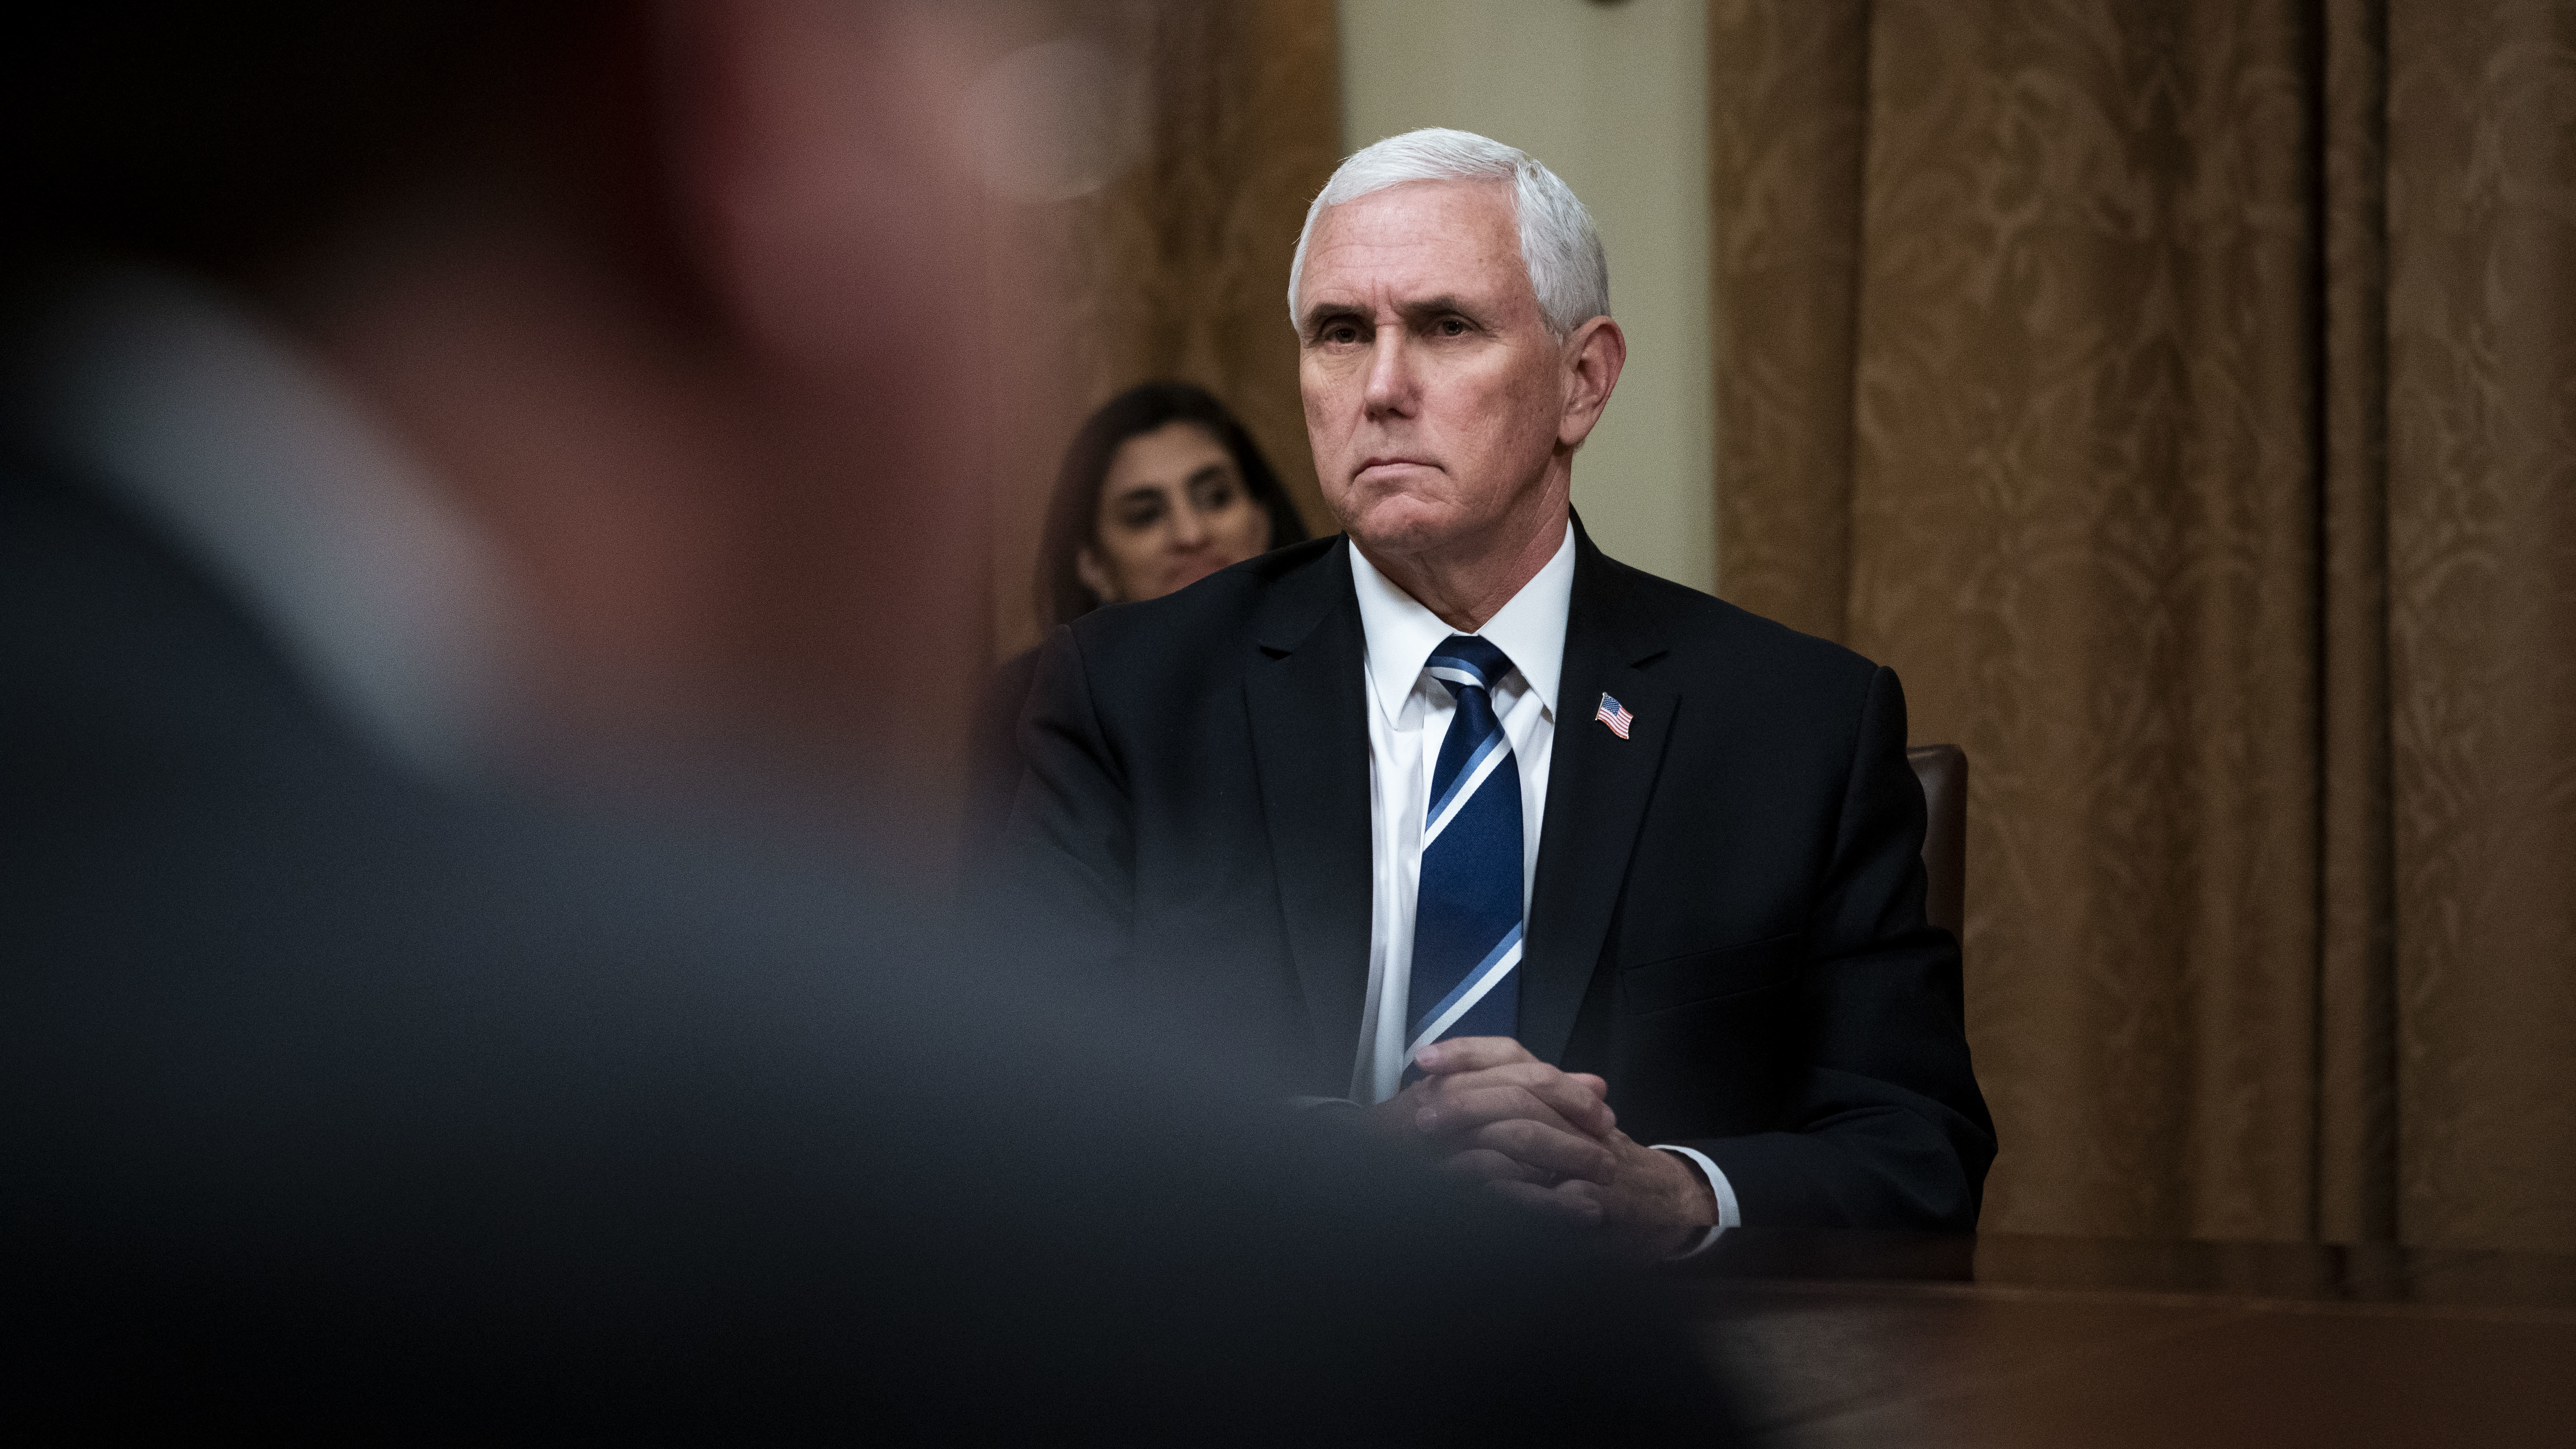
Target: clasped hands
{"x":1545,"y":1138}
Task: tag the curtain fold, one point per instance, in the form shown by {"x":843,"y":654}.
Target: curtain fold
{"x":2482,"y":616}
{"x":2178,"y":394}
{"x":1785,"y":147}
{"x":1176,"y":266}
{"x":2356,"y":1150}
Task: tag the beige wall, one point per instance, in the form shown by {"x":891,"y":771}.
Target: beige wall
{"x":1614,"y":99}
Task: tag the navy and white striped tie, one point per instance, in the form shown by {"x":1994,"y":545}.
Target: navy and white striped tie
{"x":1467,"y":916}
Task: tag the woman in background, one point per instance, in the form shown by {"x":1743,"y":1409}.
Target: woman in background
{"x":1160,"y":488}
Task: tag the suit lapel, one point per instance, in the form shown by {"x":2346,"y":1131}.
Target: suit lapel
{"x":1310,"y":746}
{"x":1598,"y":787}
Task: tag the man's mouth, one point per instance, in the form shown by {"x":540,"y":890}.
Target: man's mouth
{"x":1388,"y":462}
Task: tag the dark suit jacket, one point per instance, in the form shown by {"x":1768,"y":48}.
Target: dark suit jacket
{"x":342,"y":1104}
{"x":1727,"y":921}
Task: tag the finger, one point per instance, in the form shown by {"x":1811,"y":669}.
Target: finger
{"x":1566,"y":1154}
{"x":1469,"y":1053}
{"x":1557,"y":1201}
{"x":1463,"y":1111}
{"x":1484,"y":1164}
{"x":1521,"y":1071}
{"x":1396,"y":1113}
{"x":1592,"y":1195}
{"x":1566,"y":1097}
{"x":1557,"y":1105}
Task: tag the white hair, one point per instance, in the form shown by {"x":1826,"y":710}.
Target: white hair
{"x":1559,"y":244}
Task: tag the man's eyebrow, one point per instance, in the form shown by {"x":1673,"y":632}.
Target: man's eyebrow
{"x":1437,"y":306}
{"x":1323,"y":312}
{"x":1445,"y":304}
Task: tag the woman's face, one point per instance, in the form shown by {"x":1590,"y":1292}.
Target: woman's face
{"x":1173,"y":510}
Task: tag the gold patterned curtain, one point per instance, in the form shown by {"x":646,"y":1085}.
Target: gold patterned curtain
{"x":2181,"y":395}
{"x":1175,"y":265}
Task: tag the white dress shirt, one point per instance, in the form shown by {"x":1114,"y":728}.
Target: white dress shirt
{"x":1409,"y":714}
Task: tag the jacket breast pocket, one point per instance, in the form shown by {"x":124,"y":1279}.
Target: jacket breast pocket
{"x":1702,"y":975}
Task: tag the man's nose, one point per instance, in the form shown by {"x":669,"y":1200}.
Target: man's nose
{"x":1389,"y":390}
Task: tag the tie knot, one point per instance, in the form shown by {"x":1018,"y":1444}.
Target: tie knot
{"x":1466,"y":659}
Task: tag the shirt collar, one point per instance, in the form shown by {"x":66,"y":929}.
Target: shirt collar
{"x":1530,"y":629}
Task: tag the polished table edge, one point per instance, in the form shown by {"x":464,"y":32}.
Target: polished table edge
{"x":2481,"y":1282}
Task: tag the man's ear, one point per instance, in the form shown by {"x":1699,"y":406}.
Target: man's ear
{"x":1593,"y":357}
{"x":1086,"y":567}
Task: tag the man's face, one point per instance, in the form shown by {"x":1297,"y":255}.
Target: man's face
{"x":1433,"y":389}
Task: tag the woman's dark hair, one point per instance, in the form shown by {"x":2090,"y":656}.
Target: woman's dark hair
{"x":1073,"y":513}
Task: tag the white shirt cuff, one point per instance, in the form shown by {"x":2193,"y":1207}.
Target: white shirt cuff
{"x":1728,"y":1215}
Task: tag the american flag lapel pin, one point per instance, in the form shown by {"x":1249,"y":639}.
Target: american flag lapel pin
{"x":1615,"y":715}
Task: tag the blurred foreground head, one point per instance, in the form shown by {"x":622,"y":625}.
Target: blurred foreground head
{"x":667,"y":306}
{"x":344,"y":1100}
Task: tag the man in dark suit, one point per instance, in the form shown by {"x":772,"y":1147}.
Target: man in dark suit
{"x":1602,"y":889}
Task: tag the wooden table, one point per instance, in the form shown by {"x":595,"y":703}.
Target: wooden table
{"x":2003,"y":1341}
